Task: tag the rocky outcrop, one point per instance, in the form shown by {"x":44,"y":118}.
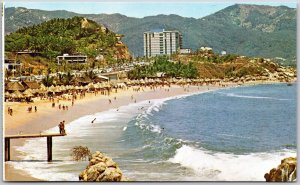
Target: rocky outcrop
{"x":102,"y":168}
{"x":286,"y":171}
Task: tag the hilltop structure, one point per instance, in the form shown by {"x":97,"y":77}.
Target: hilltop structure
{"x":71,"y":58}
{"x":161,"y":42}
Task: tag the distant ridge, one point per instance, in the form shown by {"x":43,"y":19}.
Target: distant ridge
{"x":252,"y":30}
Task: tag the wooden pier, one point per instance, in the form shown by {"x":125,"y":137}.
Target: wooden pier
{"x":24,"y":136}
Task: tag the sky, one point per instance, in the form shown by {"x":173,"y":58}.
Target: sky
{"x":142,"y":9}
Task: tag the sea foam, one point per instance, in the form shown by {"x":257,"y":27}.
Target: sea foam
{"x":218,"y":166}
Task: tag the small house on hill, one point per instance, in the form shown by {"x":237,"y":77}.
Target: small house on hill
{"x":12,"y":65}
{"x":71,"y":58}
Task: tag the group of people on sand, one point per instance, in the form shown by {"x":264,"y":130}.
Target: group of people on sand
{"x":29,"y":109}
{"x":63,"y":107}
{"x":61,"y":127}
{"x":10,"y":111}
{"x":66,"y":107}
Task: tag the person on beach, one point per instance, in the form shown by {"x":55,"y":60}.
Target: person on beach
{"x":53,"y":104}
{"x":60,"y":128}
{"x":10,"y":111}
{"x":59,"y":106}
{"x":35,"y":108}
{"x":109,"y":101}
{"x":67,"y":107}
{"x":63,"y":127}
{"x":72,"y":102}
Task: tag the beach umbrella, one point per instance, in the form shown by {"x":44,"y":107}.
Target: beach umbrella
{"x":41,"y":91}
{"x":43,"y":88}
{"x":147,"y":81}
{"x":128,"y":82}
{"x":63,"y":88}
{"x":91,"y":86}
{"x":71,"y":87}
{"x":51,"y":89}
{"x":28,"y":94}
{"x":142,"y":81}
{"x":28,"y":91}
{"x":57,"y":89}
{"x":7,"y":94}
{"x":108,"y":85}
{"x":181,"y":81}
{"x":97,"y":85}
{"x":114,"y":84}
{"x":17,"y":94}
{"x":14,"y":86}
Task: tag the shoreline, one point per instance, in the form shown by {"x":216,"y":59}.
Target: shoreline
{"x":86,"y":106}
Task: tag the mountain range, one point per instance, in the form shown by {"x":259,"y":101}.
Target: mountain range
{"x":251,"y":30}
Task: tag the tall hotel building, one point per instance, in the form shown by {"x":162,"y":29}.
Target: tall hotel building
{"x":161,"y":42}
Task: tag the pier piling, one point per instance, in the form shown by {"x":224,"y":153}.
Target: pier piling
{"x":49,"y":143}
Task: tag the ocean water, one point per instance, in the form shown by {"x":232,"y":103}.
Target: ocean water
{"x":234,"y":134}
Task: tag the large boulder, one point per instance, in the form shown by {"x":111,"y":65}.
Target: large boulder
{"x":286,"y":171}
{"x":102,"y":168}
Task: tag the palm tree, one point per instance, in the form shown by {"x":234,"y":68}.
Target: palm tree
{"x":68,"y":78}
{"x":91,"y":75}
{"x":48,"y":81}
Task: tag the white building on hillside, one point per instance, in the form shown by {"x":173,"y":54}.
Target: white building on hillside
{"x":161,"y":42}
{"x":71,"y":58}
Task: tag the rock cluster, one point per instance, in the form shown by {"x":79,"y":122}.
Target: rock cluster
{"x":286,"y":171}
{"x":102,"y":168}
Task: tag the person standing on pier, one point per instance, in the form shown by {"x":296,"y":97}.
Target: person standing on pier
{"x":60,"y":128}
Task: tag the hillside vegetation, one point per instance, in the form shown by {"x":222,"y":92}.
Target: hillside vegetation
{"x":250,"y":30}
{"x":73,"y":35}
{"x":209,"y":65}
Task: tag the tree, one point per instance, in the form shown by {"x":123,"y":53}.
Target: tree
{"x":48,"y":81}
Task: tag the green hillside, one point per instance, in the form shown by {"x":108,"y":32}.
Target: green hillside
{"x":58,"y":36}
{"x":251,"y":30}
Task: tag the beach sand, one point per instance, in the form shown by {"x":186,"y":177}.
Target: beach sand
{"x":47,"y":117}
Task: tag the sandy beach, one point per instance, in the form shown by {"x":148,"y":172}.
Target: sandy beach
{"x":48,"y":117}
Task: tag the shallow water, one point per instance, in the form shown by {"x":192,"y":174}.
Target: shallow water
{"x":235,"y":134}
